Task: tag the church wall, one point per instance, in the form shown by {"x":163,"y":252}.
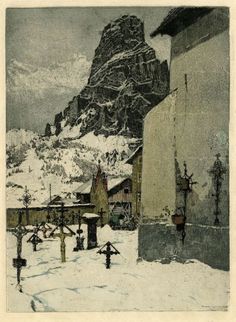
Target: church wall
{"x":202,"y":120}
{"x":158,"y":172}
{"x":197,"y":132}
{"x":136,"y":185}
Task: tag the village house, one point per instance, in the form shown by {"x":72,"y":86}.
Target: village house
{"x":120,"y":196}
{"x":82,"y":193}
{"x":185,"y":144}
{"x":112,"y":195}
{"x":136,"y":161}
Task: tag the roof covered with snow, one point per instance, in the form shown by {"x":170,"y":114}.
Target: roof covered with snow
{"x":112,"y":182}
{"x":89,"y":215}
{"x":85,"y":187}
{"x":133,"y":155}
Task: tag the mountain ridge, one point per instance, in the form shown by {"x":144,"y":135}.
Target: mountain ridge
{"x":126,"y":80}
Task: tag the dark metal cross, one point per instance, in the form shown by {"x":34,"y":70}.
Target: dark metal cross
{"x":101,"y":213}
{"x":108,"y":252}
{"x":35,"y":240}
{"x":79,"y":217}
{"x":26,"y":199}
{"x":79,"y":239}
{"x":186,"y":184}
{"x":61,"y":224}
{"x":217,"y":172}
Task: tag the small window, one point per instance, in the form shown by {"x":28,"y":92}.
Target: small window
{"x":126,"y":190}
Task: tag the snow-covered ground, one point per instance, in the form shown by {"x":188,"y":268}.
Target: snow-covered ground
{"x":84,"y":284}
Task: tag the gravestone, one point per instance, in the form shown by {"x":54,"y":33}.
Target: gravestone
{"x":91,"y":221}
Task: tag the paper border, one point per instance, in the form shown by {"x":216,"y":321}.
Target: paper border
{"x":210,"y":316}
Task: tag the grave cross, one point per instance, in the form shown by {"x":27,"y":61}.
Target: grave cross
{"x":217,"y":172}
{"x":44,"y":227}
{"x":79,"y":239}
{"x":19,"y":232}
{"x":186,"y":184}
{"x":35,"y":240}
{"x":79,"y":217}
{"x":26,"y":199}
{"x":108,"y":252}
{"x":62,"y":235}
{"x":101,"y":213}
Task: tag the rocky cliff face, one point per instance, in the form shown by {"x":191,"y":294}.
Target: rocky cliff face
{"x":125,"y":82}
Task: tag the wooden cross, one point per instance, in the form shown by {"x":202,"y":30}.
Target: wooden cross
{"x":108,"y":252}
{"x":101,"y":213}
{"x":19,"y":232}
{"x":62,"y":235}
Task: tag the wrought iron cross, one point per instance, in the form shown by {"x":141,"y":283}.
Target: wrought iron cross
{"x":186,"y":184}
{"x":35,"y":240}
{"x":217,"y":172}
{"x":79,"y":239}
{"x":26,"y":199}
{"x":108,"y":252}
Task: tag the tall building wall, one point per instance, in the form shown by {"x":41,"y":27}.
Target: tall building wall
{"x":202,"y":121}
{"x":136,"y":185}
{"x":158,"y":173}
{"x":196,"y":131}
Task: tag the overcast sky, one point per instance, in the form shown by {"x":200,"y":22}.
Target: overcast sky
{"x":49,"y":52}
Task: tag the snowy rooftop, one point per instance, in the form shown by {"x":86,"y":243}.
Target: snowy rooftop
{"x":130,"y":159}
{"x":85,"y":187}
{"x":90,"y":215}
{"x":113,"y":182}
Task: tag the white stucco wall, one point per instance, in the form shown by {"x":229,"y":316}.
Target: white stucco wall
{"x":190,"y":125}
{"x":158,"y":172}
{"x":202,"y":121}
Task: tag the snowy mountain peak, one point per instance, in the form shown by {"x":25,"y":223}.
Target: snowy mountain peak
{"x":126,"y":80}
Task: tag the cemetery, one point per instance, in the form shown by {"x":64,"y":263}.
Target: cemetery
{"x":74,"y":265}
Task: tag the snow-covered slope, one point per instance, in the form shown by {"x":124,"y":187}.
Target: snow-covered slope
{"x":18,"y":137}
{"x":65,"y":162}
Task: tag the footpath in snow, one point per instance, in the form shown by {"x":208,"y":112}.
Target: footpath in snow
{"x":84,"y":284}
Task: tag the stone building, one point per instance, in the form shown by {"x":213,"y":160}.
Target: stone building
{"x":136,"y":161}
{"x":190,"y":126}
